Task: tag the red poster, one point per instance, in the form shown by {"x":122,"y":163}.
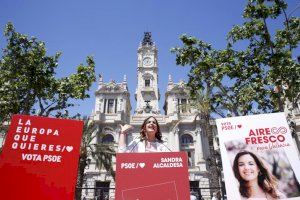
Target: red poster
{"x":148,"y":176}
{"x":39,"y":158}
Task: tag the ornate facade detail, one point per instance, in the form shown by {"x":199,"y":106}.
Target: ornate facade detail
{"x":111,"y":86}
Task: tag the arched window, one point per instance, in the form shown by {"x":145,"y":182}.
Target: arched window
{"x":148,"y":79}
{"x":108,"y":139}
{"x":187,"y":139}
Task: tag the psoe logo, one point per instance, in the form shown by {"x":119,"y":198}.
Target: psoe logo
{"x":132,"y":165}
{"x":227,"y":126}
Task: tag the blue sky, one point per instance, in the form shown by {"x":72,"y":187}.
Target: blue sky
{"x":111,"y":31}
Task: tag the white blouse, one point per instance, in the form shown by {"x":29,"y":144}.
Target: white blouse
{"x":138,"y":146}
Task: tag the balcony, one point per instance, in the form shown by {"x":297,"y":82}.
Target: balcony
{"x":148,"y":90}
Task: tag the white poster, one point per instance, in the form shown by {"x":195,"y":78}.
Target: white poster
{"x":259,"y":158}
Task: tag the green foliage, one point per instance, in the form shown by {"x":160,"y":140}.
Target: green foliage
{"x":101,"y":153}
{"x":27,"y":80}
{"x":242,"y":81}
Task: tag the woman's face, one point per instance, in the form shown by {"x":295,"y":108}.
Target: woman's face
{"x":248,"y":168}
{"x":151,"y":126}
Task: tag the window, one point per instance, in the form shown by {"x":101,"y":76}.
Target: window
{"x":187,"y":139}
{"x":194,"y":184}
{"x":102,"y":190}
{"x":195,"y":190}
{"x":183,"y":105}
{"x":182,"y":108}
{"x":116,"y":103}
{"x":104,"y":107}
{"x":108,"y":139}
{"x":147,"y":83}
{"x":110,"y":108}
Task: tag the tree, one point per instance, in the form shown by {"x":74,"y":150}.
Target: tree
{"x":271,"y":52}
{"x":201,"y":103}
{"x":102,"y":153}
{"x":27,"y":80}
{"x":238,"y":82}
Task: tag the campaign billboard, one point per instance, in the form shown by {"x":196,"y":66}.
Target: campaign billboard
{"x":151,"y":176}
{"x":260,"y":160}
{"x":39,"y":159}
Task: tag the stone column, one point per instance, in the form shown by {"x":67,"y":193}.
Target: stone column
{"x":176,"y":138}
{"x":199,"y":150}
{"x":199,"y":147}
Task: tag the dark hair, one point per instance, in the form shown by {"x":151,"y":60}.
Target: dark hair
{"x":157,"y":134}
{"x":266,"y":180}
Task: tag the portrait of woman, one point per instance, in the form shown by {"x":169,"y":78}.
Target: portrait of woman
{"x":255,"y":180}
{"x":148,"y":141}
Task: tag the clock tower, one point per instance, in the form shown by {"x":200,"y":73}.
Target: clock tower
{"x":180,"y":127}
{"x":147,"y":93}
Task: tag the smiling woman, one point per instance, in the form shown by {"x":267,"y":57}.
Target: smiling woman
{"x":149,"y":140}
{"x":254,"y":177}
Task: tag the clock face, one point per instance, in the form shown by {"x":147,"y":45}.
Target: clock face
{"x":147,"y":61}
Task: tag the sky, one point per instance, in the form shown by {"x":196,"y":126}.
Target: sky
{"x":111,"y":31}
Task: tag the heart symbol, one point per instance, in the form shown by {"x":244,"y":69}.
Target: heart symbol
{"x":69,"y":148}
{"x":142,"y":165}
{"x":240,"y":125}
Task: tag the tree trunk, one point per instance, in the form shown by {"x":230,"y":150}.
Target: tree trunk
{"x":213,"y":169}
{"x":80,"y":176}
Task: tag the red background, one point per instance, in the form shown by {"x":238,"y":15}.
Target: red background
{"x":35,"y":180}
{"x":133,"y":181}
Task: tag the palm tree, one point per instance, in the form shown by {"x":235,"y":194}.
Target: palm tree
{"x":202,"y":106}
{"x":102,"y":153}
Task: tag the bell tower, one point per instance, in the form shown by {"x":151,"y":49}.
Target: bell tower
{"x":147,"y":93}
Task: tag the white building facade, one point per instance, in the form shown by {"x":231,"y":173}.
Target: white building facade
{"x":181,"y":130}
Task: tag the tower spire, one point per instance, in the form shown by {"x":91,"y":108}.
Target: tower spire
{"x":100,"y":83}
{"x":170,"y":79}
{"x":147,"y":40}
